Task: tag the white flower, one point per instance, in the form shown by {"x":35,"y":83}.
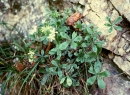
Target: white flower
{"x":30,"y":60}
{"x":46,"y":28}
{"x":51,"y":37}
{"x":51,"y":31}
{"x":31,"y":56}
{"x":31,"y":53}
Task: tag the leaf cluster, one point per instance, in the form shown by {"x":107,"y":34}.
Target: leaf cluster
{"x":113,"y":25}
{"x":71,"y":56}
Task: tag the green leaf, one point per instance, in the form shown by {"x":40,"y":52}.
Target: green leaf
{"x":86,"y":37}
{"x":91,"y":80}
{"x":54,"y":63}
{"x":42,"y":52}
{"x":94,"y":48}
{"x":91,"y":70}
{"x":78,"y":38}
{"x":74,"y":35}
{"x":73,"y":45}
{"x":64,"y":45}
{"x":110,"y":29}
{"x":118,"y":20}
{"x":59,"y":73}
{"x":108,"y":19}
{"x":44,"y":79}
{"x":28,"y":44}
{"x":78,"y":25}
{"x":104,"y":74}
{"x":64,"y":66}
{"x":99,"y":43}
{"x":107,"y":24}
{"x":53,"y":51}
{"x":62,"y":80}
{"x":59,"y":54}
{"x":101,"y":83}
{"x":118,"y":28}
{"x":64,"y":35}
{"x":89,"y":30}
{"x":42,"y":38}
{"x":99,"y":46}
{"x":97,"y":66}
{"x":69,"y":81}
{"x":84,"y":45}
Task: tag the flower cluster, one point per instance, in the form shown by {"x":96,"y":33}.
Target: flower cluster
{"x":31,"y":56}
{"x":51,"y":30}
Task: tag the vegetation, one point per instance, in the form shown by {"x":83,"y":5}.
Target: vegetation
{"x":54,"y":57}
{"x":113,"y":25}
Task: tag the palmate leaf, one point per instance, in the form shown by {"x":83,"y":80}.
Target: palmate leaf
{"x":44,"y":79}
{"x":54,"y":63}
{"x":69,"y":81}
{"x":64,"y":45}
{"x":97,"y":66}
{"x":107,"y":24}
{"x":53,"y":51}
{"x":118,"y":28}
{"x":91,"y":70}
{"x":110,"y":29}
{"x":59,"y":73}
{"x":73,"y":45}
{"x":78,"y":38}
{"x":91,"y":80}
{"x":101,"y":83}
{"x":118,"y":20}
{"x":108,"y":19}
{"x":78,"y":25}
{"x":104,"y":74}
{"x":94,"y":48}
{"x":64,"y":35}
{"x":62,"y":80}
{"x":74,"y":35}
{"x":87,"y":37}
{"x":89,"y":30}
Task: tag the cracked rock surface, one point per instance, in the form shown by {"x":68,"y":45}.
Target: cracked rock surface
{"x":117,"y":41}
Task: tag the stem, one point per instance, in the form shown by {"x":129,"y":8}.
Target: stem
{"x":48,"y":47}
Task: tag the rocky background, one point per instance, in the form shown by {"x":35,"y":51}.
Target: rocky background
{"x":24,"y":15}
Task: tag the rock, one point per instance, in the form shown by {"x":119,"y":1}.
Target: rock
{"x":126,"y":35}
{"x":123,"y":64}
{"x":117,"y":42}
{"x":24,"y":20}
{"x":123,"y":7}
{"x":74,"y":1}
{"x":82,"y":2}
{"x":116,"y":83}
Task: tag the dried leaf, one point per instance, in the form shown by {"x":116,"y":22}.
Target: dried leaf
{"x":20,"y":67}
{"x":73,"y":18}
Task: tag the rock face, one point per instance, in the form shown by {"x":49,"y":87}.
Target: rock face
{"x":117,"y":41}
{"x":123,"y":7}
{"x":24,"y":20}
